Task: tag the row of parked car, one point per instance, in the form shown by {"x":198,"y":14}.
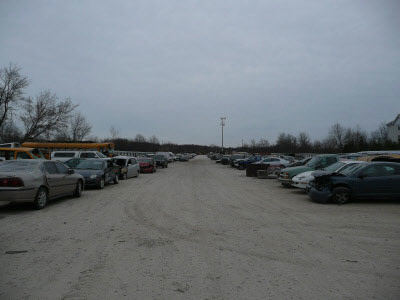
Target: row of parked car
{"x":326,"y":177}
{"x":69,"y":172}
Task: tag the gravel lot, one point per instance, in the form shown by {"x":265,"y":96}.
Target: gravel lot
{"x":199,"y":230}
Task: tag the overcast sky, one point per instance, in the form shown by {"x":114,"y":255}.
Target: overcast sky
{"x":172,"y":68}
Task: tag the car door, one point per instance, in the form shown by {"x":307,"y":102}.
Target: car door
{"x":109,"y":172}
{"x":374,"y":181}
{"x":88,"y":155}
{"x":53,"y":178}
{"x":68,"y":180}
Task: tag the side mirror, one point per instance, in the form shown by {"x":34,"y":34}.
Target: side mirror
{"x":71,"y":171}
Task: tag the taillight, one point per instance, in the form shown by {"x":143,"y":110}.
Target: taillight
{"x":11,"y":182}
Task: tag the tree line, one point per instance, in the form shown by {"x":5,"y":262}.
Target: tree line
{"x":46,"y":117}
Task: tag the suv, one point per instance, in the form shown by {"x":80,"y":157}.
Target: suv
{"x":161,"y":161}
{"x":318,"y":162}
{"x":67,"y":155}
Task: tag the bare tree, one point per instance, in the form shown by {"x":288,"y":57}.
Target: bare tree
{"x":304,"y":141}
{"x":45,"y":115}
{"x":79,"y":127}
{"x":140,"y":138}
{"x":12,"y":85}
{"x":114,"y":132}
{"x":337,"y":133}
{"x":154,"y":140}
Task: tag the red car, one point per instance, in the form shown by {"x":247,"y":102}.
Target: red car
{"x":147,"y":165}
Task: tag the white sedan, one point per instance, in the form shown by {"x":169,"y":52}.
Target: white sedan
{"x":302,"y":180}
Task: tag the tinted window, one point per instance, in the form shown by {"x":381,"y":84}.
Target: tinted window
{"x":61,"y":168}
{"x":50,"y":168}
{"x":90,"y":165}
{"x":7,"y":154}
{"x":121,"y":162}
{"x":64,"y":154}
{"x":88,"y":155}
{"x":378,"y":171}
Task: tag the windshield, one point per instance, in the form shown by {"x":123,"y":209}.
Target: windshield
{"x":121,"y":162}
{"x":351,"y":169}
{"x":90,"y":165}
{"x":313,"y":162}
{"x":9,"y":166}
{"x":101,"y":155}
{"x":334,"y":167}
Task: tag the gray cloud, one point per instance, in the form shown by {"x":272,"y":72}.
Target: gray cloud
{"x":172,"y":68}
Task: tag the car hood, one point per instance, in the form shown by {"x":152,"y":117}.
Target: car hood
{"x":305,"y":175}
{"x":293,"y":171}
{"x":88,"y":173}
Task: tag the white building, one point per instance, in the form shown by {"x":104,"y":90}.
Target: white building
{"x":393,"y":129}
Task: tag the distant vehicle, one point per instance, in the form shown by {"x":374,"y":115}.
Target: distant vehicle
{"x":377,"y":180}
{"x":303,"y":180}
{"x":234,"y":157}
{"x":271,"y":163}
{"x":37,"y":181}
{"x":161,"y":161}
{"x":147,"y":165}
{"x":167,"y":155}
{"x":318,"y":162}
{"x":129,"y":166}
{"x":184,"y":157}
{"x":98,"y":172}
{"x":67,"y":155}
{"x":242,"y":164}
{"x":20,"y":153}
{"x":225,"y":160}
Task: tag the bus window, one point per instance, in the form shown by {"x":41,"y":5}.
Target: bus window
{"x":23,"y":155}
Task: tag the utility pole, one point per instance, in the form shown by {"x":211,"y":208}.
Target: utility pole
{"x":222,"y":127}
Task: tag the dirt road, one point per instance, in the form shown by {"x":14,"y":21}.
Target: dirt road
{"x":199,"y":230}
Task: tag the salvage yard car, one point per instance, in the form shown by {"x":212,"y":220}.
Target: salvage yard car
{"x":377,"y":180}
{"x":161,"y":161}
{"x":265,"y":164}
{"x":318,"y":162}
{"x":98,"y":172}
{"x":147,"y":165}
{"x":37,"y":181}
{"x":129,"y":166}
{"x":67,"y":155}
{"x":302,"y":180}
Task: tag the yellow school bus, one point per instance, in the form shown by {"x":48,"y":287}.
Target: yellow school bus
{"x":47,"y":148}
{"x":19,"y":153}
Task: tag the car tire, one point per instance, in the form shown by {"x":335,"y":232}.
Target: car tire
{"x":341,"y":195}
{"x":116,"y":179}
{"x":78,"y":189}
{"x":101,"y":184}
{"x":41,"y":198}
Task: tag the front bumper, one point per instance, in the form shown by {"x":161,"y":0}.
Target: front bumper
{"x":92,"y":181}
{"x":18,"y":194}
{"x":285,"y":181}
{"x":323,"y":196}
{"x":299,"y":184}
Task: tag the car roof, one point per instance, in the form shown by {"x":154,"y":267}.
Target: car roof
{"x":16,"y":149}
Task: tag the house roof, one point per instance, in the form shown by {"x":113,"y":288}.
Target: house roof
{"x":394,"y":121}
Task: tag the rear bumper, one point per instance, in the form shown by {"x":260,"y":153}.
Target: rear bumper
{"x":18,"y":194}
{"x":323,"y":196}
{"x":146,"y":169}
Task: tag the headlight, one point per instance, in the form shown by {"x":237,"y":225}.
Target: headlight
{"x":93,"y":176}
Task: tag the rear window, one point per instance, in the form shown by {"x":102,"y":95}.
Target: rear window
{"x":9,"y":166}
{"x":64,"y":154}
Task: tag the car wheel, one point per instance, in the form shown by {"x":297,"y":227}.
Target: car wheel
{"x":116,"y":180}
{"x":41,"y":198}
{"x":101,"y":184}
{"x":341,"y":195}
{"x":78,"y":189}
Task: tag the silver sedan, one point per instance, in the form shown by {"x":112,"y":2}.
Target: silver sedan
{"x":37,"y":181}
